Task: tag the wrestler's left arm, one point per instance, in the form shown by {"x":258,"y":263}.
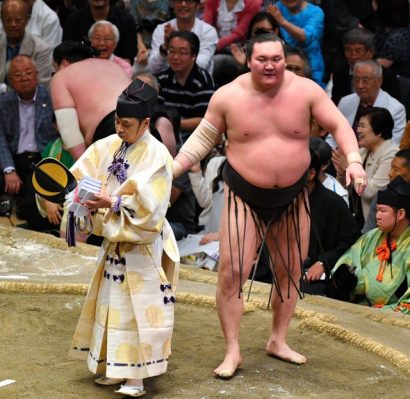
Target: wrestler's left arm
{"x":330,"y":118}
{"x":205,"y":136}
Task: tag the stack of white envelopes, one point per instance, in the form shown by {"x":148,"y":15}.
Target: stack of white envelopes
{"x":84,"y":191}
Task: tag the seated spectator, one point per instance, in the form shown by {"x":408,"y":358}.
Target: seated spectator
{"x":297,"y":62}
{"x":231,"y":20}
{"x":26,"y":128}
{"x":367,"y":79}
{"x":377,"y":151}
{"x":149,"y":14}
{"x":208,"y":188}
{"x":77,"y":25}
{"x":333,"y":229}
{"x":185,"y":86}
{"x":382,"y":256}
{"x":44,"y":22}
{"x":400,"y":166}
{"x":393,"y":41}
{"x":104,"y":37}
{"x":320,"y":147}
{"x":301,"y":25}
{"x":262,"y":22}
{"x":84,"y":91}
{"x":185,"y":20}
{"x":181,"y":213}
{"x":16,"y":40}
{"x":359,"y":45}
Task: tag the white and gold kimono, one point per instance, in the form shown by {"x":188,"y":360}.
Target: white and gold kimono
{"x":126,"y":324}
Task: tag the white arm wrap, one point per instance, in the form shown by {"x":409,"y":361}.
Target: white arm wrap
{"x":200,"y":142}
{"x":67,"y":121}
{"x":353,"y":157}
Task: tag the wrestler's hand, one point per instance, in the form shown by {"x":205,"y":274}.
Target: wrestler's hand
{"x":209,"y":237}
{"x":315,"y":271}
{"x":100,"y":200}
{"x":356,"y":174}
{"x":12,"y":183}
{"x":53,"y":212}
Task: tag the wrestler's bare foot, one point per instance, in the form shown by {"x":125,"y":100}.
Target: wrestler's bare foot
{"x":283,"y":352}
{"x":228,"y":367}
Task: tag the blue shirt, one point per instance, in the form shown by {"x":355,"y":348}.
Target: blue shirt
{"x":311,"y":20}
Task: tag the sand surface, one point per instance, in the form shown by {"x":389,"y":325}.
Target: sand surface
{"x":340,"y":340}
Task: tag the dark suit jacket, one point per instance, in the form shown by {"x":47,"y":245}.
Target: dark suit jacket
{"x":10,"y":124}
{"x":342,"y":83}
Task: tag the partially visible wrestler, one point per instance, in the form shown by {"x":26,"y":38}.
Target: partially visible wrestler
{"x":266,"y":114}
{"x":84,"y":93}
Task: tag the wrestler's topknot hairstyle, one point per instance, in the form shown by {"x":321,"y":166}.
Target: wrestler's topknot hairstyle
{"x":72,"y":51}
{"x":262,"y":38}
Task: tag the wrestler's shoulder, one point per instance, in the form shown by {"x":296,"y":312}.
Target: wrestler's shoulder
{"x":240,"y":83}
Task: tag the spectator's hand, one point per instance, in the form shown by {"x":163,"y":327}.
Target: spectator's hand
{"x":356,"y":174}
{"x":12,"y":183}
{"x":275,"y":12}
{"x":168,"y":29}
{"x":315,"y":272}
{"x":209,"y":237}
{"x":101,"y":200}
{"x":53,"y":212}
{"x":339,"y":161}
{"x":142,"y":55}
{"x":238,"y":54}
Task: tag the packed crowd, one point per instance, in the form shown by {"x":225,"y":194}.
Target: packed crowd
{"x":63,"y":65}
{"x":79,"y":82}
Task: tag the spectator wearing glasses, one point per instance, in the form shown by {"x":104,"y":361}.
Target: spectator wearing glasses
{"x":78,"y":23}
{"x":185,"y":20}
{"x":367,"y":80}
{"x":26,"y":127}
{"x":104,"y":37}
{"x":359,"y":45}
{"x":15,"y":39}
{"x":185,"y":86}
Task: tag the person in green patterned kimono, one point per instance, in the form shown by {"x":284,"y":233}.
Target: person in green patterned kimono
{"x":126,"y":324}
{"x":382,"y":256}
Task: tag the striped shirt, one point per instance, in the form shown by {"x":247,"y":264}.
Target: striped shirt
{"x":190,"y":100}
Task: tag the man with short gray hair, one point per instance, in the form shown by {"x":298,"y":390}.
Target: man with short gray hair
{"x":367,"y":81}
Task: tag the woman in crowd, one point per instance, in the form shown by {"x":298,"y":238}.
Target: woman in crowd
{"x":377,"y":151}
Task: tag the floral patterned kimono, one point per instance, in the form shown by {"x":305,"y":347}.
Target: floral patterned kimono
{"x":126,"y":324}
{"x":381,"y":289}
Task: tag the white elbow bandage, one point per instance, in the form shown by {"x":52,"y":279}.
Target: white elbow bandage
{"x":200,"y":142}
{"x":68,"y":125}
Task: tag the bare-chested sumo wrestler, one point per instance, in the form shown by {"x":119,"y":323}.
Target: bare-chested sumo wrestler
{"x":84,"y":92}
{"x":266,"y":115}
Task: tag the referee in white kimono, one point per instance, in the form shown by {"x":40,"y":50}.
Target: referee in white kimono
{"x":126,"y":324}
